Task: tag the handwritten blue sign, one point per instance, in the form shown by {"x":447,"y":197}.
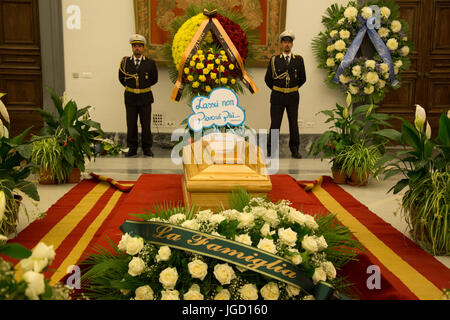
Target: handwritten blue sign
{"x":220,"y":109}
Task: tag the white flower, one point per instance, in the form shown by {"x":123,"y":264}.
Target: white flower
{"x":343,"y":79}
{"x":404,"y":51}
{"x":270,"y":291}
{"x":164,"y":254}
{"x":41,"y":257}
{"x":353,"y":89}
{"x":292,"y":291}
{"x":168,"y":278}
{"x":371,"y":77}
{"x":383,"y":32}
{"x":3,"y":111}
{"x":246,"y":220}
{"x":2,"y":201}
{"x":309,"y":244}
{"x":136,"y":266}
{"x":231,"y":214}
{"x":339,"y":56}
{"x":170,"y":295}
{"x":309,"y":297}
{"x":341,"y":21}
{"x":295,"y":256}
{"x":385,"y":12}
{"x":396,"y":26}
{"x":204,"y":215}
{"x":134,"y":246}
{"x":224,"y":294}
{"x":366,"y":12}
{"x":428,"y":131}
{"x":369,"y":90}
{"x":193,"y":293}
{"x":350,"y":13}
{"x":296,"y":216}
{"x":392,"y":44}
{"x":330,"y":48}
{"x":198,"y":269}
{"x":319,"y":275}
{"x":224,"y":273}
{"x":267,"y":245}
{"x":177,"y":218}
{"x":217,"y":219}
{"x":243,"y":238}
{"x":287,"y":236}
{"x":333,"y":33}
{"x":310,"y":222}
{"x":271,"y":217}
{"x":381,"y":84}
{"x":330,"y":62}
{"x":249,"y":292}
{"x":420,"y":118}
{"x":123,"y":242}
{"x":144,"y":293}
{"x":191,"y":224}
{"x":340,"y":45}
{"x":3,"y":133}
{"x":356,"y":71}
{"x":448,"y":114}
{"x":370,"y":64}
{"x":344,"y":34}
{"x":321,"y":243}
{"x":35,"y":284}
{"x":384,"y":67}
{"x":329,"y":269}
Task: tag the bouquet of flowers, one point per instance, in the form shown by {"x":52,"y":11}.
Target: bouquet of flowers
{"x":368,"y":76}
{"x":142,"y":270}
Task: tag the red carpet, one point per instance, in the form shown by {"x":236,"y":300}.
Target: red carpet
{"x":92,"y":212}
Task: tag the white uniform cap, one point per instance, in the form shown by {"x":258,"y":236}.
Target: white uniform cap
{"x":287,"y":33}
{"x":137,"y":38}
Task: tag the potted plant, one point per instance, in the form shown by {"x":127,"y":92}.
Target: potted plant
{"x":15,"y":170}
{"x":425,"y":167}
{"x":47,"y":154}
{"x":75,"y":131}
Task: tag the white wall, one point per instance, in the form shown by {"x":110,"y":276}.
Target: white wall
{"x":98,"y":46}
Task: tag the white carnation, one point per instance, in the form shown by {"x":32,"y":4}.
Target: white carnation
{"x":353,"y":89}
{"x":340,"y":45}
{"x":295,"y":256}
{"x":230,"y":214}
{"x":396,"y":26}
{"x":344,"y":34}
{"x":350,"y":13}
{"x":41,"y":257}
{"x":392,"y":44}
{"x":356,"y":71}
{"x":383,"y":32}
{"x":371,"y":77}
{"x":344,"y":79}
{"x":366,"y":12}
{"x":333,"y":33}
{"x":270,"y":291}
{"x":339,"y":56}
{"x":321,"y":243}
{"x":177,"y":218}
{"x":385,"y":12}
{"x":217,"y":219}
{"x":249,"y":292}
{"x":330,"y":48}
{"x":369,"y":90}
{"x":204,"y":215}
{"x":330,"y":62}
{"x":404,"y":51}
{"x":370,"y":64}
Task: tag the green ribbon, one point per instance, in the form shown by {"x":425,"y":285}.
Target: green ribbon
{"x":237,"y":253}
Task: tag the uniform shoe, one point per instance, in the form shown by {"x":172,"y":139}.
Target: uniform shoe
{"x":148,"y":152}
{"x":131,"y":153}
{"x":296,"y":155}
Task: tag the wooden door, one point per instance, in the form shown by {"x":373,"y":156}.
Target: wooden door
{"x":427,"y":82}
{"x":20,"y":63}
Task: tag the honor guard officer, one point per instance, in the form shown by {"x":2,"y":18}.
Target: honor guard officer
{"x":138,"y":74}
{"x":285,"y":75}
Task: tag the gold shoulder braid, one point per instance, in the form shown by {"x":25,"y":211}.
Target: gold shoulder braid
{"x":284,"y":75}
{"x":128,"y":75}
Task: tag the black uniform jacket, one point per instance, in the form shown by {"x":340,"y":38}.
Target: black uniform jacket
{"x":289,"y":78}
{"x":142,"y":79}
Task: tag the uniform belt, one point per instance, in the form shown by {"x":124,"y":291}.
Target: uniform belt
{"x":285,"y":90}
{"x":138,"y":91}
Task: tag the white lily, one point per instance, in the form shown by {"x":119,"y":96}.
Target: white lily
{"x":349,"y":99}
{"x":3,"y":110}
{"x":2,"y":204}
{"x":345,"y":113}
{"x":428,"y":131}
{"x":448,"y":113}
{"x":421,"y":117}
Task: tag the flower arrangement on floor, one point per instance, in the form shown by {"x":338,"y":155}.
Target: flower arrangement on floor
{"x":367,"y":76}
{"x":139,"y":269}
{"x":32,"y":285}
{"x":210,"y":66}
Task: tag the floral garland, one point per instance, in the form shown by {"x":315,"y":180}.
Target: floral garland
{"x":366,"y":78}
{"x":141,"y":270}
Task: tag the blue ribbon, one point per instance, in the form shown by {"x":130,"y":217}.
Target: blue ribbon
{"x":368,"y":27}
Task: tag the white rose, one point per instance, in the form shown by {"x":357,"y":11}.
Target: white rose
{"x":216,"y":219}
{"x":177,"y":218}
{"x":287,"y":236}
{"x":136,"y":266}
{"x":191,"y":224}
{"x":224,"y":294}
{"x":204,"y":215}
{"x":356,"y":71}
{"x":267,"y":245}
{"x":396,"y":26}
{"x":246,"y":220}
{"x":258,"y":211}
{"x":170,"y":295}
{"x":231,"y":214}
{"x":340,"y":45}
{"x":270,"y":291}
{"x":224,"y":273}
{"x":168,"y":278}
{"x":35,"y":284}
{"x":353,"y":89}
{"x":296,"y":216}
{"x":310,"y":222}
{"x":243,"y":238}
{"x":309,"y":244}
{"x":392,"y":44}
{"x":321,"y":243}
{"x":350,"y":13}
{"x":404,"y":51}
{"x":371,"y":77}
{"x":198,"y":269}
{"x":330,"y":62}
{"x":134,"y":246}
{"x":366,"y":12}
{"x":193,"y":293}
{"x":383,"y":32}
{"x":271,"y":217}
{"x":295,"y":256}
{"x":329,"y":269}
{"x":370,"y":64}
{"x":164,"y":254}
{"x":385,"y":12}
{"x":344,"y":34}
{"x":333,"y":33}
{"x":41,"y":257}
{"x":330,"y":48}
{"x":265,"y":229}
{"x":339,"y":56}
{"x":292,"y":291}
{"x":369,"y":90}
{"x":249,"y":292}
{"x":123,"y":242}
{"x":144,"y":293}
{"x":319,"y":275}
{"x":343,"y":79}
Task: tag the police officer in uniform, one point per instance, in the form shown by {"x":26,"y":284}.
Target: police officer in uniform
{"x":138,"y":74}
{"x":285,"y":75}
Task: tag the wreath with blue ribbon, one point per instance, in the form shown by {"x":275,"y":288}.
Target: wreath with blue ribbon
{"x":364,"y":48}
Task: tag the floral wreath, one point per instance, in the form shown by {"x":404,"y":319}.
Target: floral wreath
{"x":211,"y":66}
{"x":337,"y":49}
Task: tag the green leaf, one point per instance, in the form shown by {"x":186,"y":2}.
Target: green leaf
{"x":411,"y":136}
{"x":69,"y":113}
{"x":390,"y":134}
{"x":400,"y":185}
{"x":56,"y":100}
{"x":444,"y":130}
{"x":15,"y":251}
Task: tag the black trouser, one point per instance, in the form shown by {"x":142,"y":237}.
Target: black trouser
{"x":276,"y":116}
{"x":145,"y":115}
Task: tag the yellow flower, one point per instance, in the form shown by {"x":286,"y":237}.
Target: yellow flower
{"x":222,"y":52}
{"x":196,"y":84}
{"x":200,"y":66}
{"x":206,"y":71}
{"x":201,"y":57}
{"x":224,"y":58}
{"x":210,"y":57}
{"x":202,"y":78}
{"x":199,"y":52}
{"x":213,"y":75}
{"x":190,"y":78}
{"x":186,"y":70}
{"x":217,"y":61}
{"x":208,"y":89}
{"x":231,"y":66}
{"x":222,"y":69}
{"x":192,"y":63}
{"x":224,"y":80}
{"x":233,"y":81}
{"x":194,"y":57}
{"x":210,"y":66}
